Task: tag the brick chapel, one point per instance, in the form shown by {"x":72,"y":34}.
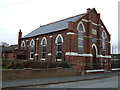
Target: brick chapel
{"x":82,"y":40}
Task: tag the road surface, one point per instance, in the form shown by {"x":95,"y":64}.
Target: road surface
{"x":111,"y":82}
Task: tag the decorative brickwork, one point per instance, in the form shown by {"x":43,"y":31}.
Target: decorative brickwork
{"x":92,"y":38}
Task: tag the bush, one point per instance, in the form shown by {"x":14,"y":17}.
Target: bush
{"x":64,"y":65}
{"x":18,"y":65}
{"x":10,"y":65}
{"x":33,"y":64}
{"x":25,"y":64}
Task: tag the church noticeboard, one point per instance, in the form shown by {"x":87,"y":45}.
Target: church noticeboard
{"x":94,"y":32}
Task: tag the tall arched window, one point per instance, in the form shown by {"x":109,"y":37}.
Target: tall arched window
{"x":43,"y":43}
{"x":23,"y":45}
{"x":59,"y":41}
{"x":80,"y":38}
{"x":32,"y":45}
{"x":103,"y":43}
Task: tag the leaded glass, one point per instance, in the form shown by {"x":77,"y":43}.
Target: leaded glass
{"x":80,"y":39}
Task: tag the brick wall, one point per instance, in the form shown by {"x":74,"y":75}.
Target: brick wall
{"x":8,"y":56}
{"x":91,"y":21}
{"x":37,"y":73}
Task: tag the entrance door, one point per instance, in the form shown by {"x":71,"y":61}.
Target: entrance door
{"x":94,"y":57}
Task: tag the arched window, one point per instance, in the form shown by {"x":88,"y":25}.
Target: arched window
{"x":43,"y":43}
{"x":23,"y":45}
{"x":80,"y":38}
{"x":59,"y":41}
{"x":103,"y":42}
{"x":32,"y":45}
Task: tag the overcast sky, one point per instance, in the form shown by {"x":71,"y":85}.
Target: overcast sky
{"x":28,"y":15}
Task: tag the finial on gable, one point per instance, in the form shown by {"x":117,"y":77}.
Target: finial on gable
{"x":88,"y":9}
{"x":20,"y":30}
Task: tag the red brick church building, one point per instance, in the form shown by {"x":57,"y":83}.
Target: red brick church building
{"x":82,"y":40}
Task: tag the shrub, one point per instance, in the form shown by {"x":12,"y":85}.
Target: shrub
{"x":53,"y":64}
{"x":64,"y":65}
{"x":10,"y":65}
{"x":25,"y":64}
{"x":18,"y":65}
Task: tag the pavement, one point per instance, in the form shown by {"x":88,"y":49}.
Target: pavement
{"x":45,"y":81}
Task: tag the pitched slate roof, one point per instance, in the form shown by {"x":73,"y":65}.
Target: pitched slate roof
{"x":53,"y":27}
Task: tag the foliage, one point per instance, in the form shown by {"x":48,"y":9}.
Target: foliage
{"x":33,"y":64}
{"x":64,"y":65}
{"x":18,"y":65}
{"x":10,"y":65}
{"x":25,"y":64}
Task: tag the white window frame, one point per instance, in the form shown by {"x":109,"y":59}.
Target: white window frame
{"x":23,"y":44}
{"x":33,"y":43}
{"x":44,"y":38}
{"x":80,"y":23}
{"x":59,"y":35}
{"x":32,"y":46}
{"x":30,"y":55}
{"x":96,"y":49}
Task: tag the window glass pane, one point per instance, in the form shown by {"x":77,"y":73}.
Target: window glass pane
{"x":80,"y":28}
{"x":103,"y":53}
{"x":32,"y":44}
{"x":44,"y":42}
{"x":43,"y":55}
{"x":59,"y":47}
{"x":43,"y":48}
{"x":103,"y":43}
{"x":80,"y":34}
{"x":80,"y":42}
{"x":31,"y":55}
{"x":59,"y":55}
{"x":103,"y":34}
{"x":80,"y":39}
{"x":23,"y":44}
{"x":80,"y":50}
{"x":59,"y":40}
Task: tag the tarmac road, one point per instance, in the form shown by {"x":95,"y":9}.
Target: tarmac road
{"x":111,"y":82}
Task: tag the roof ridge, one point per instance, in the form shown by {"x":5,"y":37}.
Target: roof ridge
{"x":62,"y":19}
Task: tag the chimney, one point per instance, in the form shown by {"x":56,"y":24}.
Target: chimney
{"x":19,"y":37}
{"x":98,"y":17}
{"x":88,"y":9}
